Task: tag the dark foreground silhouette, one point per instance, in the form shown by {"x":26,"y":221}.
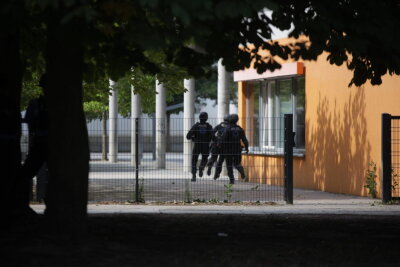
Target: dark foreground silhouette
{"x":209,"y":240}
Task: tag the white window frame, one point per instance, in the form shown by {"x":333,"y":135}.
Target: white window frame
{"x":269,"y":111}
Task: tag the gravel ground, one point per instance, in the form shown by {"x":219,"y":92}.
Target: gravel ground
{"x":169,"y":190}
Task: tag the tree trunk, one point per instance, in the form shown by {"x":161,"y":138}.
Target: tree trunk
{"x":104,"y":136}
{"x":68,"y":138}
{"x":10,"y":117}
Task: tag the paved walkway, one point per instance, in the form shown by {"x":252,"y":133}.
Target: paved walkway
{"x":305,"y":202}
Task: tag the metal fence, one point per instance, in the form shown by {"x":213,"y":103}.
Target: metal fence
{"x":390,"y":157}
{"x":161,"y":171}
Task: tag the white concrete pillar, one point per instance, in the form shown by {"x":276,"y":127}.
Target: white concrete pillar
{"x":188,"y":121}
{"x":223,"y":98}
{"x":161,"y":114}
{"x":223,"y":91}
{"x":136,"y":113}
{"x":113,"y":120}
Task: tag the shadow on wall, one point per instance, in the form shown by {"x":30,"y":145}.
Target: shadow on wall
{"x":338,"y":149}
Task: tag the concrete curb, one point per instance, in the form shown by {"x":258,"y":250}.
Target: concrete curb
{"x":344,"y":208}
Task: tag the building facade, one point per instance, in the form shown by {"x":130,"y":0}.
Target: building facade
{"x":337,"y":127}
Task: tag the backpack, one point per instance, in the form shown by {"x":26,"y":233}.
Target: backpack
{"x":236,"y":132}
{"x":203,"y":132}
{"x":220,"y":135}
{"x":233,"y":135}
{"x":202,"y":129}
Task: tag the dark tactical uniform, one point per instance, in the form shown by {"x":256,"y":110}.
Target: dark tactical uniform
{"x":216,"y":145}
{"x":201,"y":134}
{"x":36,"y":118}
{"x":232,"y":148}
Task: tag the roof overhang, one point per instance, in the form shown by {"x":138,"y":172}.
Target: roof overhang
{"x":287,"y":69}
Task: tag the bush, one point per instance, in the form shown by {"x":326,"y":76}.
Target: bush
{"x":370,"y":183}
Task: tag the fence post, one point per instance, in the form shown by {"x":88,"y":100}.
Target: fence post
{"x":386,"y":158}
{"x":288,"y":146}
{"x":137,"y":159}
{"x":153,"y":136}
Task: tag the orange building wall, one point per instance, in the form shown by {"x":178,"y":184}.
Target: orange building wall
{"x":242,"y":103}
{"x":271,"y":169}
{"x":343,"y":129}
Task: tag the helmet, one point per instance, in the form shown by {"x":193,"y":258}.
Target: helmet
{"x":203,"y":116}
{"x":233,"y":118}
{"x":226,"y":118}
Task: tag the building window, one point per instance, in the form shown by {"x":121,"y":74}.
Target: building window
{"x":269,"y":101}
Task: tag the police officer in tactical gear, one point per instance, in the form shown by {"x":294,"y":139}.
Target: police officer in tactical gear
{"x":235,"y":137}
{"x":202,"y":134}
{"x":216,"y":145}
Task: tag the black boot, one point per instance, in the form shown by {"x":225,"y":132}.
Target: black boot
{"x":209,"y":171}
{"x":200,"y":172}
{"x":241,"y":171}
{"x":193,"y":178}
{"x":231,"y":181}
